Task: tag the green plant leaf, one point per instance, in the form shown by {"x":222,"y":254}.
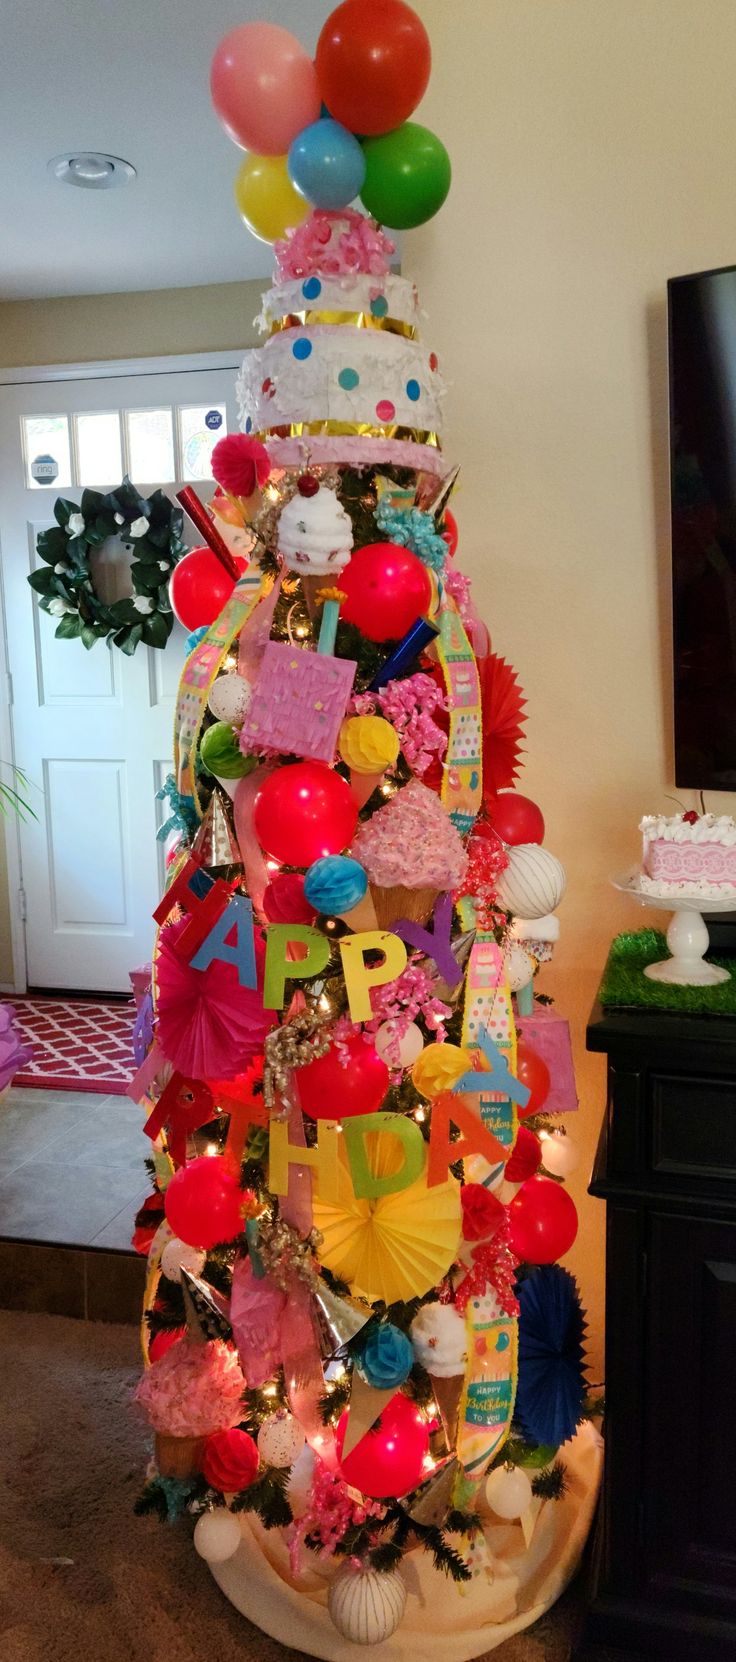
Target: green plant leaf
{"x":63,"y":508}
{"x":89,"y":634}
{"x":51,"y":544}
{"x":92,"y":503}
{"x":42,"y":581}
{"x":155,"y":632}
{"x":132,"y":639}
{"x":68,"y":627}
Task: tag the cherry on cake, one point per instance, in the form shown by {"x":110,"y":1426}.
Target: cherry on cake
{"x":689,"y":853}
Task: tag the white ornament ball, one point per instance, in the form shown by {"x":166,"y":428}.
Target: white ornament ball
{"x":560,"y":1155}
{"x":366,"y":1607}
{"x":280,"y":1440}
{"x":409,"y":1047}
{"x":177,"y":1256}
{"x":508,"y":1492}
{"x":440,"y":1340}
{"x":229,"y":697}
{"x":217,"y":1536}
{"x":533,"y":883}
{"x":518,"y":968}
{"x":299,"y":1486}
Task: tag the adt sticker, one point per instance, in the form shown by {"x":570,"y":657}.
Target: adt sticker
{"x":213,"y":420}
{"x":44,"y":470}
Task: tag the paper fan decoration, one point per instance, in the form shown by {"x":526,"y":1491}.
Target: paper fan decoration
{"x":396,"y":1247}
{"x":552,"y":1328}
{"x":502,"y":706}
{"x":208,"y":1025}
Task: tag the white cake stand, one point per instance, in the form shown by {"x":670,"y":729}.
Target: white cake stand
{"x":687,"y":936}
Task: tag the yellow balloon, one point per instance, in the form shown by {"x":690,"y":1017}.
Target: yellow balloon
{"x":266,"y":198}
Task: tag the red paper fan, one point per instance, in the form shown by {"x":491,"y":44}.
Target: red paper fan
{"x":502,"y":704}
{"x":208,"y":1025}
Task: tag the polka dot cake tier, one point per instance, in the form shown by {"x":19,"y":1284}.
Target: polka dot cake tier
{"x":343,"y":374}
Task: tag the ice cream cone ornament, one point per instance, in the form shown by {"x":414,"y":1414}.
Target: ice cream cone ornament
{"x":369,"y":745}
{"x":315,"y":537}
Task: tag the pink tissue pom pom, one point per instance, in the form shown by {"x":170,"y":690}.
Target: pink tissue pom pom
{"x":240,"y":464}
{"x":193,"y":1390}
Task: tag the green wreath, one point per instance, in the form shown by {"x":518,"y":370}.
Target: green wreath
{"x":151,"y":526}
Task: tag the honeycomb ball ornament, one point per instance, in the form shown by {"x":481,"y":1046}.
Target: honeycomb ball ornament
{"x":217,"y":1536}
{"x":178,"y":1255}
{"x":508,"y":1492}
{"x":366,"y":1607}
{"x":280,"y":1440}
{"x":533,"y":882}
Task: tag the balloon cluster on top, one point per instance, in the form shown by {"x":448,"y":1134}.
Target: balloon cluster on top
{"x":320,"y":134}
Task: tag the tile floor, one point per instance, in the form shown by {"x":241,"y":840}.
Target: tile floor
{"x":71,"y":1168}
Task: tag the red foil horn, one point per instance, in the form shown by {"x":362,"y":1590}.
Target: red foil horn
{"x":208,"y":531}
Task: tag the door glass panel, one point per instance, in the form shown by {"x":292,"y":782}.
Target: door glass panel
{"x":200,"y":427}
{"x":47,"y":451}
{"x":99,"y":450}
{"x":150,"y":446}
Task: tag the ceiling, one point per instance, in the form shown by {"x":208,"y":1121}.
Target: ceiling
{"x":129,"y":77}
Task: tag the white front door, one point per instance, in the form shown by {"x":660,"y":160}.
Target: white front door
{"x":93,"y":729}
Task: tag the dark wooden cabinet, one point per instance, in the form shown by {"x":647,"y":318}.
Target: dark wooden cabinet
{"x":666,"y":1169}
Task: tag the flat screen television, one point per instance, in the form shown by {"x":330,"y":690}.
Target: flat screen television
{"x":702,"y":343}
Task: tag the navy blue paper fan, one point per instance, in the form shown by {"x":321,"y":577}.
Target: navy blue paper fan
{"x":551,"y":1388}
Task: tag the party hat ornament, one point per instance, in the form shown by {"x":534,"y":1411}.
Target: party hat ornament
{"x":205,"y":1310}
{"x":215,"y":844}
{"x":461,"y":950}
{"x":366,"y":1406}
{"x":341,"y":1318}
{"x":431,"y":1502}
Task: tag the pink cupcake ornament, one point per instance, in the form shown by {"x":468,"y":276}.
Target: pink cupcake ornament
{"x":412,"y":853}
{"x":192,"y":1391}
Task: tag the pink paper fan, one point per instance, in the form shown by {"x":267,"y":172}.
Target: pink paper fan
{"x":208,"y":1025}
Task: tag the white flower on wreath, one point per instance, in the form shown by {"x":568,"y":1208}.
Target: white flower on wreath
{"x":75,"y":525}
{"x":120,"y":519}
{"x":139,"y":527}
{"x":163,"y":565}
{"x":59,"y":607}
{"x":61,"y":568}
{"x":143,"y":604}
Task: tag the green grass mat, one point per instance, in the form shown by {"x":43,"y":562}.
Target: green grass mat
{"x":625,"y":985}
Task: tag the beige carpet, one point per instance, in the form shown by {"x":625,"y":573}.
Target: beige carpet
{"x":81,"y":1579}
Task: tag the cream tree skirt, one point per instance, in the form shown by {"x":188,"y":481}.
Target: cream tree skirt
{"x":443,"y":1622}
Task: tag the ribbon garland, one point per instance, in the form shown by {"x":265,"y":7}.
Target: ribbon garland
{"x":356,"y":320}
{"x":462,"y":774}
{"x":199,"y":672}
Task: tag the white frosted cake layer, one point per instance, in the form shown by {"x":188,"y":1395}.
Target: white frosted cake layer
{"x":381,"y":302}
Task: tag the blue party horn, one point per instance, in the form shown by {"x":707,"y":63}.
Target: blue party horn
{"x":406,"y":653}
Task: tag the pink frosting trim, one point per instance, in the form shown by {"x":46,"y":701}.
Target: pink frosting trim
{"x":356,"y":450}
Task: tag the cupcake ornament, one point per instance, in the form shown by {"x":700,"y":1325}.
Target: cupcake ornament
{"x":315,"y":536}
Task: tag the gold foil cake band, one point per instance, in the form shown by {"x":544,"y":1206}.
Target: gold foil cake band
{"x":356,"y":320}
{"x":344,"y":429}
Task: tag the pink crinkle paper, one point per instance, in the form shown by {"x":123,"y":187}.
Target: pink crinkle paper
{"x":359,"y":247}
{"x":193,"y":1390}
{"x":14,"y":1054}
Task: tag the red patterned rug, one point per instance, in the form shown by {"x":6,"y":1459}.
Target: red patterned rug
{"x":78,"y":1045}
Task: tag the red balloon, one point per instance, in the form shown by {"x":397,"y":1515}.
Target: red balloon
{"x":525,"y":1158}
{"x":203,"y":1203}
{"x":200,"y":587}
{"x":451,"y":533}
{"x":284,"y":901}
{"x":373,"y":63}
{"x":516,"y":818}
{"x":532,"y":1070}
{"x":230,"y":1461}
{"x":387,"y":589}
{"x":304,"y":810}
{"x":390,"y":1460}
{"x":543,"y":1221}
{"x":330,"y":1091}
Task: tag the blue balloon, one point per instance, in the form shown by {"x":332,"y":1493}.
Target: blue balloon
{"x":326,"y":164}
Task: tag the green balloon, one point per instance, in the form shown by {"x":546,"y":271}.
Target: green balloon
{"x":407,"y":176}
{"x":220,"y":752}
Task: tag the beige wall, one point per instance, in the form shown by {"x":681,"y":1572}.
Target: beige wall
{"x":592,"y":143}
{"x":86,"y":327}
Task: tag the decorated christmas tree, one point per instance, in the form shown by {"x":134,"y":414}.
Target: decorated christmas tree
{"x":361,"y":1352}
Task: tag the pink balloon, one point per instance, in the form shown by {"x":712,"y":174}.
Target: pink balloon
{"x":264,"y":87}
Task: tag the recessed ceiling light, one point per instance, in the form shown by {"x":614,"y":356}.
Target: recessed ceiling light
{"x":91,"y":170}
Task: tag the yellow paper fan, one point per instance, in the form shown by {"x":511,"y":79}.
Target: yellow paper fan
{"x":396,"y":1247}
